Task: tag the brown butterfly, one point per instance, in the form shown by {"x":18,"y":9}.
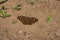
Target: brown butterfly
{"x":27,"y":20}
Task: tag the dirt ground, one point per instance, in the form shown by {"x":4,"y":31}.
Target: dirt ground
{"x":40,"y":30}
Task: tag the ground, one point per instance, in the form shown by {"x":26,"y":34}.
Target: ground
{"x":41,"y":30}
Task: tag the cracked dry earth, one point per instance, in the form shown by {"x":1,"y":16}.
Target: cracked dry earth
{"x":27,"y":28}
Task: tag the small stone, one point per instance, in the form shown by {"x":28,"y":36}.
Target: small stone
{"x":0,"y":37}
{"x":20,"y":31}
{"x":27,"y":36}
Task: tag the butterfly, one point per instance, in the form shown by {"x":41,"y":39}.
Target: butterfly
{"x":27,"y":20}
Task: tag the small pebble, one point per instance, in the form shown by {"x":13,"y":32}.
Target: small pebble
{"x":20,"y":31}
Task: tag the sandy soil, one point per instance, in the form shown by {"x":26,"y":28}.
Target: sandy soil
{"x":40,"y":30}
